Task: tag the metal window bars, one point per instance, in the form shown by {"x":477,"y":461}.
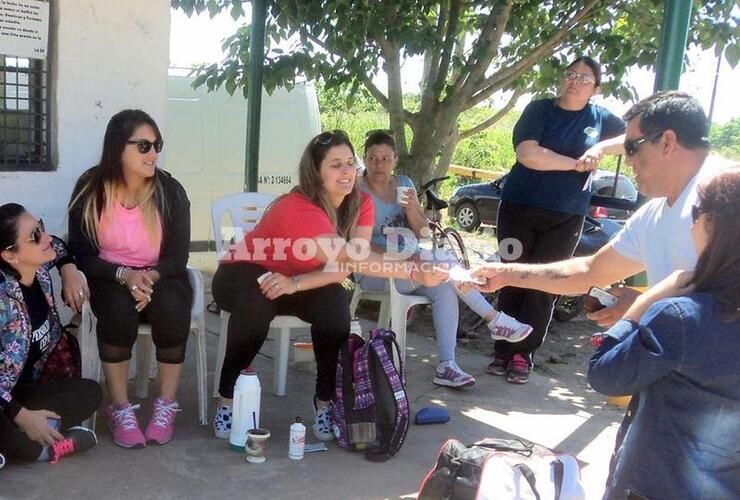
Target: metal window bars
{"x":25,"y":136}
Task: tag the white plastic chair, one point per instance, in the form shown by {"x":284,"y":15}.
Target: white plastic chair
{"x":144,"y":352}
{"x":245,"y":210}
{"x":399,"y":308}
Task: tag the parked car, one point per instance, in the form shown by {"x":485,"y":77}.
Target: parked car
{"x":475,"y":204}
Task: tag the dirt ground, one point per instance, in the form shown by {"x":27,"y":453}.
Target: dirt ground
{"x":565,"y":352}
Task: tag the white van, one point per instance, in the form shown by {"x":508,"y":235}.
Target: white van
{"x":204,"y":146}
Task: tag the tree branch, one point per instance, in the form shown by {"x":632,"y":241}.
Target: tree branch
{"x":435,"y":50}
{"x":484,"y":50}
{"x":450,"y":38}
{"x":493,"y":119}
{"x":505,"y":76}
{"x":392,"y":53}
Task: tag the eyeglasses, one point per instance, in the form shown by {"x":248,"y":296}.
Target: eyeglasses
{"x":696,"y":211}
{"x":325,"y":138}
{"x":632,"y":145}
{"x":584,"y":78}
{"x":144,"y":146}
{"x":36,"y":235}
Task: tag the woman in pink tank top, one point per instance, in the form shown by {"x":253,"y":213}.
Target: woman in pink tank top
{"x":129,"y":228}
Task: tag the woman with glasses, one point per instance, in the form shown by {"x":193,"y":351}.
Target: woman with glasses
{"x":129,"y":228}
{"x":42,"y":398}
{"x":558,"y":143}
{"x":293,"y":263}
{"x":676,"y":350}
{"x":394,"y":218}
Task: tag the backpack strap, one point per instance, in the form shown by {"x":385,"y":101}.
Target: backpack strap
{"x":401,"y":424}
{"x":529,"y":476}
{"x":363,"y":388}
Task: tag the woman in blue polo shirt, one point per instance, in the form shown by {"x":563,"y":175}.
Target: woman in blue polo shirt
{"x":558,"y":143}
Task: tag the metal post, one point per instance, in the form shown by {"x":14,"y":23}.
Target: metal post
{"x":672,"y":44}
{"x":254,"y":95}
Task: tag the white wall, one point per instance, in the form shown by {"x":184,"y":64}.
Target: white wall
{"x":108,"y":55}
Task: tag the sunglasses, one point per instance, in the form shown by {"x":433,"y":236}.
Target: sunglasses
{"x":581,"y":77}
{"x":325,"y":138}
{"x":36,"y":235}
{"x":144,"y":146}
{"x":632,"y":145}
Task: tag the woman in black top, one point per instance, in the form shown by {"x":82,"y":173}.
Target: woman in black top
{"x":558,"y":143}
{"x":41,"y":401}
{"x":129,"y":228}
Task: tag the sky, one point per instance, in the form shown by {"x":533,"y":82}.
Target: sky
{"x":198,"y":40}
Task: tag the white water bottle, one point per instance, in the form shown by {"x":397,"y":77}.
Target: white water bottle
{"x":297,"y":440}
{"x":246,"y":408}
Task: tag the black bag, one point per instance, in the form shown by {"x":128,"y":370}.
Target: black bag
{"x":501,"y":469}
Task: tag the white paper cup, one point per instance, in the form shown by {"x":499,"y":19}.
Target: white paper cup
{"x":401,"y":194}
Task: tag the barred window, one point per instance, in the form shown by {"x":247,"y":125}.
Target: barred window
{"x":24,"y":114}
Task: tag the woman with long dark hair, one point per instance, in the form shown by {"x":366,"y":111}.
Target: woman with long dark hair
{"x":129,"y":228}
{"x":547,"y":194}
{"x":293,"y":263}
{"x":676,"y":351}
{"x":42,"y":398}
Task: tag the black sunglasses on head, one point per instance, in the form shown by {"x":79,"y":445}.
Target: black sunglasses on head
{"x":632,"y":145}
{"x":325,"y":138}
{"x":36,"y":235}
{"x":144,"y":146}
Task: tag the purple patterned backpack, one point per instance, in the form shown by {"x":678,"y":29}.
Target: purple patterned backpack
{"x":371,"y":409}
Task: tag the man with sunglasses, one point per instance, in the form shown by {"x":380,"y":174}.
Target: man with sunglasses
{"x":666,"y":145}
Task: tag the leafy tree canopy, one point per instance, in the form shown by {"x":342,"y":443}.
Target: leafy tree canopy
{"x":472,"y":49}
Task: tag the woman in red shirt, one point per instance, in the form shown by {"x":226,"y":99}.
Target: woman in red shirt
{"x":301,"y":248}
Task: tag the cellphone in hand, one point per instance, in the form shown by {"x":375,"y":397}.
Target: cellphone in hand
{"x":598,"y":299}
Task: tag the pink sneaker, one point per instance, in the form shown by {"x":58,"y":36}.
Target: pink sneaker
{"x":162,"y":425}
{"x":124,"y":426}
{"x":504,"y":327}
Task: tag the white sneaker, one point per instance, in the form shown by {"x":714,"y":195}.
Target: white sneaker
{"x":322,"y":423}
{"x":451,"y":375}
{"x":222,"y":422}
{"x":504,"y":327}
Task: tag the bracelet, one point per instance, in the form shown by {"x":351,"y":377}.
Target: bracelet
{"x":297,"y":282}
{"x":121,"y":274}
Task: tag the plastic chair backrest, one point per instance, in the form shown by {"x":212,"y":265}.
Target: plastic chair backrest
{"x":245,"y":210}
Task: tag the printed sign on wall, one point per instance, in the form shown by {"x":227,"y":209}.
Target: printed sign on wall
{"x":24,"y":28}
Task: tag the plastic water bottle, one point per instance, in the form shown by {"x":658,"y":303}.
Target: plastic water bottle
{"x":246,"y":409}
{"x":297,"y":440}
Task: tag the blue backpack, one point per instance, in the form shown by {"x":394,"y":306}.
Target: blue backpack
{"x":371,"y":408}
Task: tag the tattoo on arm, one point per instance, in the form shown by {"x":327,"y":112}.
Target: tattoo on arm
{"x":556,"y":274}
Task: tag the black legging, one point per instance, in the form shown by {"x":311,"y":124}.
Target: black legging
{"x":73,"y":399}
{"x":118,"y":320}
{"x":236,"y":290}
{"x":546,"y":236}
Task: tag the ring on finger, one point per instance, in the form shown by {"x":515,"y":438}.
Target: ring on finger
{"x":133,"y":288}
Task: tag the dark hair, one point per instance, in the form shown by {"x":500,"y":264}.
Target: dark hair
{"x":378,"y":137}
{"x":98,"y":189}
{"x":345,"y":217}
{"x":674,"y":110}
{"x":9,"y":215}
{"x":718,"y":268}
{"x":592,"y":65}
